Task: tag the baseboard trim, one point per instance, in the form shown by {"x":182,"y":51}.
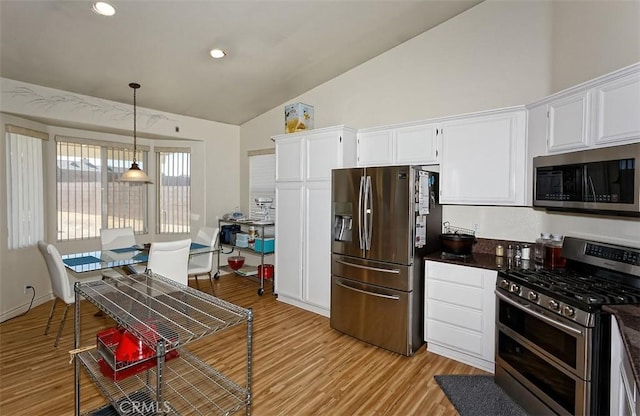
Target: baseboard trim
{"x":303,"y":305}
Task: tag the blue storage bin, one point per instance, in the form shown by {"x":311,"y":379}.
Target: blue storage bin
{"x":265,"y":245}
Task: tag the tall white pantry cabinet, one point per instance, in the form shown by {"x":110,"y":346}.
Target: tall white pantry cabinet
{"x":304,"y":161}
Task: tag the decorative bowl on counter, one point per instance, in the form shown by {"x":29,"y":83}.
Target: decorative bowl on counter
{"x":235,"y":262}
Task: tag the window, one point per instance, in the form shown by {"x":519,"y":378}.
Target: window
{"x":174,"y":190}
{"x":88,"y":195}
{"x":262,"y":181}
{"x":25,"y":186}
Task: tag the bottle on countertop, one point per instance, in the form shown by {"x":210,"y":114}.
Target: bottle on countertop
{"x":538,"y":249}
{"x":553,"y":253}
{"x":510,"y":252}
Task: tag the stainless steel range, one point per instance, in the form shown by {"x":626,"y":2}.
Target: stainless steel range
{"x":552,"y":336}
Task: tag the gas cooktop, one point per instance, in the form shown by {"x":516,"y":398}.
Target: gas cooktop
{"x":576,"y":288}
{"x":596,"y":274}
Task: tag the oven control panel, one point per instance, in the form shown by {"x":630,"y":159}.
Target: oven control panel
{"x":620,"y":255}
{"x":545,"y":302}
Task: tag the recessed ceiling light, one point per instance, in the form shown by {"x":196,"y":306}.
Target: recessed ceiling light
{"x":217,"y":53}
{"x":103,"y":8}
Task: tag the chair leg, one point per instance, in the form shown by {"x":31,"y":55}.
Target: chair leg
{"x":213,"y":289}
{"x":64,"y":317}
{"x":53,"y":306}
{"x":197,"y":283}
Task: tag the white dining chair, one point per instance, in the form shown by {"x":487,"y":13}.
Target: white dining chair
{"x":61,"y":283}
{"x":200,"y":264}
{"x":170,"y":259}
{"x":111,"y":238}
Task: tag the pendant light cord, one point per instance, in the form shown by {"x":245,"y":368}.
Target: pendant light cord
{"x":135,"y":86}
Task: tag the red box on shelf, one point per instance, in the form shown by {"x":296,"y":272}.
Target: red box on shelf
{"x":139,"y":356}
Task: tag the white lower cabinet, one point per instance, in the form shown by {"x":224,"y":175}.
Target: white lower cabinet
{"x":460,"y":313}
{"x":303,"y":257}
{"x":625,"y":392}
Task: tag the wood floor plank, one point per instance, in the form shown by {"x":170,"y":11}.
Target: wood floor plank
{"x":300,"y":365}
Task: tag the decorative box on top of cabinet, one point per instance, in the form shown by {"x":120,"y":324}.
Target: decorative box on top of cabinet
{"x":413,"y":143}
{"x":303,"y":215}
{"x":483,"y":159}
{"x":459,"y":320}
{"x":597,"y":113}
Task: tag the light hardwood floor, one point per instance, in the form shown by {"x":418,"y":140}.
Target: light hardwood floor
{"x":300,"y":365}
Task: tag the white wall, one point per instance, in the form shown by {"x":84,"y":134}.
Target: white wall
{"x":592,"y":38}
{"x":497,"y":54}
{"x":215,"y":167}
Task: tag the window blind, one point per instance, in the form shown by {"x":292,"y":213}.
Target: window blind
{"x":262,"y":182}
{"x":174,"y":190}
{"x":25,"y":187}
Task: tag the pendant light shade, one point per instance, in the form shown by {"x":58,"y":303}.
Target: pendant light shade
{"x":134,"y":174}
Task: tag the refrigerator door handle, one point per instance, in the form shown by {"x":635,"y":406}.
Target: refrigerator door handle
{"x":367,"y":208}
{"x":361,"y":231}
{"x":366,"y":292}
{"x":375,"y":269}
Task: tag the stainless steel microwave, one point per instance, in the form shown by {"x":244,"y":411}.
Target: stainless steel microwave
{"x":604,"y":180}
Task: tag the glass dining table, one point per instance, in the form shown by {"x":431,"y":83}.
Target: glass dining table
{"x":93,"y":261}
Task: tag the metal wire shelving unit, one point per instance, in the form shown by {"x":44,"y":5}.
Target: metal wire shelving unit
{"x":166,"y":316}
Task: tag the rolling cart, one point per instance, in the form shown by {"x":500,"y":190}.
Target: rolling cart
{"x":262,"y":251}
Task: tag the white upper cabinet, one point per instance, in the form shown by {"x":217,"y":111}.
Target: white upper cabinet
{"x":601,"y":112}
{"x":310,"y":155}
{"x":375,"y":147}
{"x":618,"y":110}
{"x":402,"y":144}
{"x":290,"y":161}
{"x":416,"y":144}
{"x":569,"y":122}
{"x":483,"y":159}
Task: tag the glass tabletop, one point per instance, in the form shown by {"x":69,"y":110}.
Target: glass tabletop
{"x":90,"y":261}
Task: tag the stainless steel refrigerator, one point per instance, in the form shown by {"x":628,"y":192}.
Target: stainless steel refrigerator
{"x":385,"y":219}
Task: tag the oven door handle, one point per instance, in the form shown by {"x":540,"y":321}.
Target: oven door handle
{"x":548,"y":320}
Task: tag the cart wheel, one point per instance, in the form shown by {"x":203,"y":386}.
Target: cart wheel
{"x":260,"y":291}
{"x":216,"y":276}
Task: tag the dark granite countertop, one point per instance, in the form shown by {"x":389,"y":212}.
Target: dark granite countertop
{"x":628,"y":317}
{"x":482,"y":261}
{"x":483,"y":256}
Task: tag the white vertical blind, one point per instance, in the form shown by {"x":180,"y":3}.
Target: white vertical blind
{"x":25,"y":189}
{"x":262,"y":182}
{"x":174,"y":190}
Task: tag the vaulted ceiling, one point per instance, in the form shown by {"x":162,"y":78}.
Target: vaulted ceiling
{"x":276,"y":50}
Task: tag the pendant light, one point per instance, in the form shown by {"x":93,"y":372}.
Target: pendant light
{"x":134,"y":174}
